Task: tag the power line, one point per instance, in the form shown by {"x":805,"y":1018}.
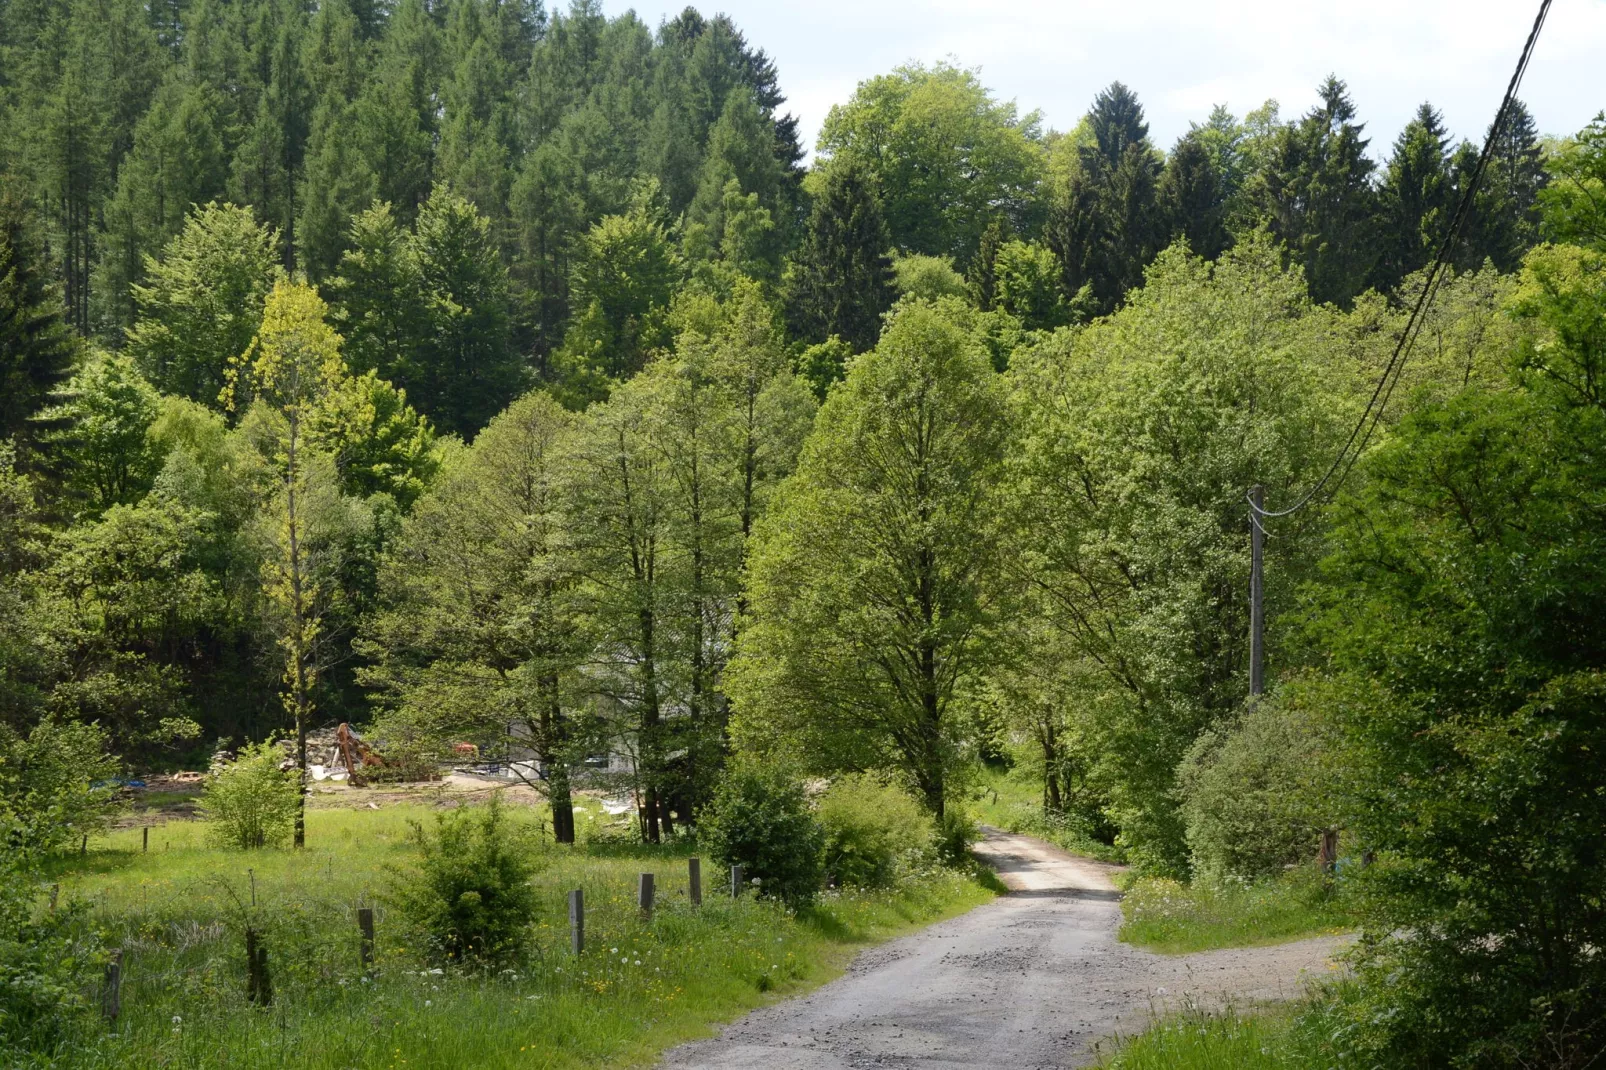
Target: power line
{"x":1362,"y":432}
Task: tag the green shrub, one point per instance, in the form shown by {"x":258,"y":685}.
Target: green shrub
{"x":44,"y":968}
{"x":252,"y":802}
{"x":956,"y":831}
{"x":870,"y":828}
{"x":760,"y":820}
{"x":1256,"y":796}
{"x":47,"y":783}
{"x":471,"y":898}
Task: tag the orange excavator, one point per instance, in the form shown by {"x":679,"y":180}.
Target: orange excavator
{"x":354,"y":753}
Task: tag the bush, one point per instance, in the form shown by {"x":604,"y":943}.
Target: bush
{"x":956,"y":831}
{"x":47,"y":783}
{"x":44,"y":969}
{"x":760,"y":820}
{"x":471,"y":899}
{"x":870,"y":828}
{"x":1256,"y":796}
{"x":252,"y":802}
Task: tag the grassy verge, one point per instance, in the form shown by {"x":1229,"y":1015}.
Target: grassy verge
{"x":1272,"y":1039}
{"x":1013,"y":802}
{"x":179,"y":912}
{"x":1174,"y":918}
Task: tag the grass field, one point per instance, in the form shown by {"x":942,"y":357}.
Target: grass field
{"x":179,"y":913}
{"x":1175,"y":918}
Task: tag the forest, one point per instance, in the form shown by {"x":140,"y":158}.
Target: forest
{"x":468,"y":371}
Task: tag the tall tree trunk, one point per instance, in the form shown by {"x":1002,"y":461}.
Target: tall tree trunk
{"x":300,"y":685}
{"x":554,"y":740}
{"x":1052,"y":800}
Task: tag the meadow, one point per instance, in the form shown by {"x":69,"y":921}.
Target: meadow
{"x":179,"y":911}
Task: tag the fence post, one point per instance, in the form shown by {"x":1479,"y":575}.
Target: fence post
{"x":258,"y":984}
{"x":1329,"y":852}
{"x":577,"y":920}
{"x":365,"y":922}
{"x":145,"y":837}
{"x":736,"y":881}
{"x":644,"y":890}
{"x":111,"y":992}
{"x":694,"y":870}
{"x":83,"y":848}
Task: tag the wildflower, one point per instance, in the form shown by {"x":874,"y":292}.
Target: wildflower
{"x":178,"y":1020}
{"x":427,"y":1003}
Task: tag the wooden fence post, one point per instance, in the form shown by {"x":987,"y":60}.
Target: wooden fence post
{"x":258,"y":983}
{"x":111,"y":991}
{"x":694,"y":870}
{"x":145,"y":838}
{"x":736,"y":881}
{"x":1329,"y":852}
{"x":365,"y":922}
{"x":577,"y":920}
{"x":644,"y":890}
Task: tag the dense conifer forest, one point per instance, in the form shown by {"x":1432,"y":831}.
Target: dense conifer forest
{"x":469,"y":370}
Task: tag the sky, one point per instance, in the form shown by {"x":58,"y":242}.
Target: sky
{"x":1184,"y":56}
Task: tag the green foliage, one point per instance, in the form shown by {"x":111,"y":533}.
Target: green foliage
{"x":46,"y":964}
{"x":1257,"y":793}
{"x":37,"y":349}
{"x":760,"y":819}
{"x":926,"y":277}
{"x":842,"y":279}
{"x":824,"y":363}
{"x":53,"y":784}
{"x":428,"y":309}
{"x":871,"y":829}
{"x":876,"y":576}
{"x":470,"y":898}
{"x":203,"y":301}
{"x":251,"y":802}
{"x":1463,"y":614}
{"x":1132,"y":529}
{"x":946,"y":156}
{"x":102,"y":446}
{"x":1574,"y":202}
{"x":1026,"y":285}
{"x":623,"y":279}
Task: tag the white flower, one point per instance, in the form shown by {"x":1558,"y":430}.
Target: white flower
{"x":178,"y":1020}
{"x":613,"y":951}
{"x":427,"y":1003}
{"x":638,"y":962}
{"x":436,"y":972}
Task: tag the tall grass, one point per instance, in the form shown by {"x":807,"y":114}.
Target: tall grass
{"x":179,"y":912}
{"x":1173,"y":918}
{"x":1193,"y":1040}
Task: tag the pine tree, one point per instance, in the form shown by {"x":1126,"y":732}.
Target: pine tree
{"x":267,"y":168}
{"x":1504,"y":223}
{"x":37,"y":349}
{"x":1191,"y":198}
{"x":842,"y":280}
{"x":1315,"y":193}
{"x":177,"y":161}
{"x":1415,"y":199}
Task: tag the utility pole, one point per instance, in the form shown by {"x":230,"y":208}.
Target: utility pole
{"x":1257,"y":592}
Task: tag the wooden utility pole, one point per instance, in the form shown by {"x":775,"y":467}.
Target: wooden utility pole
{"x":1257,"y":592}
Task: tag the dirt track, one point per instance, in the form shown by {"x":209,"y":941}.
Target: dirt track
{"x":1029,"y":981}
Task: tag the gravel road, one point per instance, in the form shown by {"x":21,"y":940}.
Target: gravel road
{"x":1029,"y":981}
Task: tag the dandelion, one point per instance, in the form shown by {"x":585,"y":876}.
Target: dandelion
{"x":178,"y":1019}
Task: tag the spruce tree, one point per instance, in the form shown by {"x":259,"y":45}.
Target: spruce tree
{"x":1315,"y":193}
{"x":1504,"y":223}
{"x":1415,"y":199}
{"x":37,"y":349}
{"x":1191,"y":198}
{"x":843,"y":275}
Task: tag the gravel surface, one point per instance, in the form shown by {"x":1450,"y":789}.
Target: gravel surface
{"x":1029,"y":981}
